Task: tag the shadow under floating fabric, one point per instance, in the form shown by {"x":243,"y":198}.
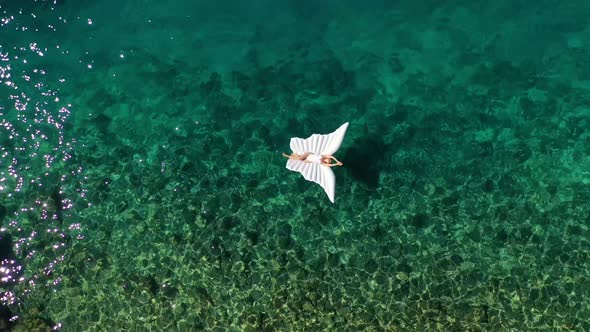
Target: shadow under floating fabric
{"x":365,"y":158}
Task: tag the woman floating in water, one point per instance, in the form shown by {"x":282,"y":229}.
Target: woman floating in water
{"x":309,"y":157}
{"x":313,"y":158}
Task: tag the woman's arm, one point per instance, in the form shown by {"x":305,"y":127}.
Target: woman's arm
{"x":329,"y":164}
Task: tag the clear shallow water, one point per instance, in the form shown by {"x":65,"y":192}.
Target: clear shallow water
{"x":142,"y":187}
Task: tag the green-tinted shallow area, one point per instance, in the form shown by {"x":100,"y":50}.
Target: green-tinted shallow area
{"x":142,"y":186}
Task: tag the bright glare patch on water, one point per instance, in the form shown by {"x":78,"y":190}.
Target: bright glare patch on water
{"x":39,"y":186}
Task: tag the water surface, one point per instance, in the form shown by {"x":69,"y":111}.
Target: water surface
{"x":142,"y":186}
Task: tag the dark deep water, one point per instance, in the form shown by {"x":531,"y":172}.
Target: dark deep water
{"x":142,"y":186}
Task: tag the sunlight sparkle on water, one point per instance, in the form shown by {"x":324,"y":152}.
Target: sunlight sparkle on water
{"x":35,"y":152}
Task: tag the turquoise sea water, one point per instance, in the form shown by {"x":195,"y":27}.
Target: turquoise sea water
{"x":142,"y":186}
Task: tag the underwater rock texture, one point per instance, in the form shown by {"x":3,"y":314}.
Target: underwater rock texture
{"x":462,"y":205}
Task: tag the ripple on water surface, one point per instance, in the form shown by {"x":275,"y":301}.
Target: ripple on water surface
{"x":40,"y":185}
